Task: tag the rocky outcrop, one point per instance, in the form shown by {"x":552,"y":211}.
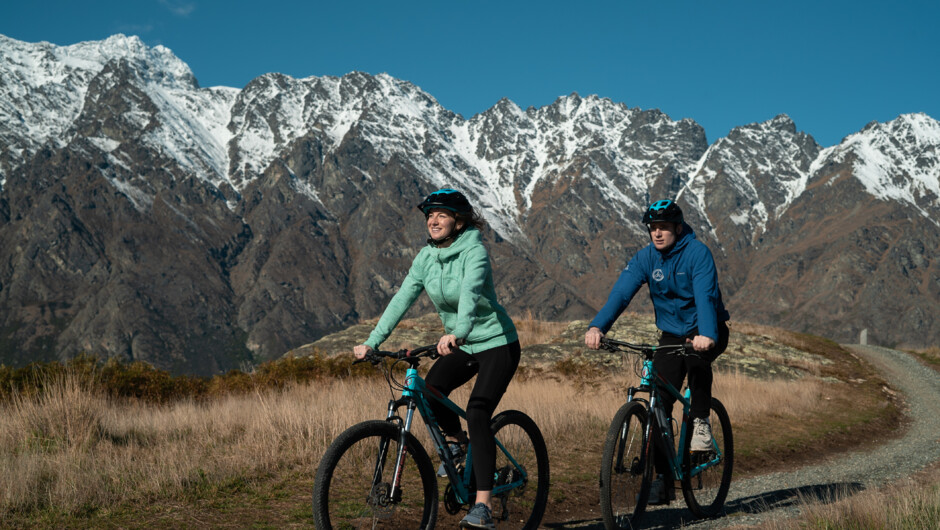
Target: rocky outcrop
{"x":145,"y":217}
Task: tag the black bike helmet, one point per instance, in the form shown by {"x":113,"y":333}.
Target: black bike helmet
{"x":663,"y":211}
{"x":446,"y":198}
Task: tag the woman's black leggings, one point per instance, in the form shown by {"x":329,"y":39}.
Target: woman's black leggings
{"x":494,"y":369}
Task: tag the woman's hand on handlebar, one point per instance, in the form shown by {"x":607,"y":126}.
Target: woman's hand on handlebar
{"x":702,"y":343}
{"x":592,"y":339}
{"x":447,"y":345}
{"x":361,"y":351}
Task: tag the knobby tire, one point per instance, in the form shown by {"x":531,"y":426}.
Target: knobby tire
{"x":626,"y":468}
{"x":522,"y":438}
{"x":345,"y":494}
{"x":705,"y":493}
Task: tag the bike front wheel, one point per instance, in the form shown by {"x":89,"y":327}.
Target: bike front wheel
{"x":522,"y":464}
{"x":353,"y":486}
{"x":706,"y":476}
{"x":626,"y":468}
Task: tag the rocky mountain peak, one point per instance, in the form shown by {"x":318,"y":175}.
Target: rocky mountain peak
{"x":897,"y":161}
{"x":144,"y":217}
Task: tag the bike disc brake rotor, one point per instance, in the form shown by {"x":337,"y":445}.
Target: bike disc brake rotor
{"x":636,"y":468}
{"x":381,"y":500}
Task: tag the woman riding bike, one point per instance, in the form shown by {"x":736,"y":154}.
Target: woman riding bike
{"x":479,"y":337}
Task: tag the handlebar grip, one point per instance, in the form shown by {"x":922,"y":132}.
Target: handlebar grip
{"x":370,"y":357}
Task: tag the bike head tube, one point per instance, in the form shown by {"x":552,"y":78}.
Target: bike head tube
{"x":646,"y":379}
{"x":414,"y":384}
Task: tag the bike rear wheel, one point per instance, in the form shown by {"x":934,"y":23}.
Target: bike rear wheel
{"x":626,"y":468}
{"x":353,"y":486}
{"x":705,"y":490}
{"x":524,"y":505}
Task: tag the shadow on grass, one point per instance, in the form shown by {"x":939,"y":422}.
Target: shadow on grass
{"x":772,"y":500}
{"x":676,"y":514}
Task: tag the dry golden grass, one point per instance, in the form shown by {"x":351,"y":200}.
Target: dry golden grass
{"x":748,"y":399}
{"x":68,"y":450}
{"x":72,"y":448}
{"x":930,"y":355}
{"x":534,"y":331}
{"x":910,"y":503}
{"x":749,"y":328}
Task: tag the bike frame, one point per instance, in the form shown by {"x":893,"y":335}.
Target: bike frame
{"x":414,"y":397}
{"x":653,"y":383}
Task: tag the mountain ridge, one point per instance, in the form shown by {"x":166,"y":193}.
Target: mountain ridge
{"x":271,"y":190}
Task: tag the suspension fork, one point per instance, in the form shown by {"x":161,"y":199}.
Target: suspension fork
{"x":619,"y":464}
{"x":662,"y":439}
{"x":402,"y":449}
{"x":382,"y":455}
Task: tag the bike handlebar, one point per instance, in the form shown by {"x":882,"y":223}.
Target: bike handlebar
{"x":647,"y":350}
{"x":411,"y":356}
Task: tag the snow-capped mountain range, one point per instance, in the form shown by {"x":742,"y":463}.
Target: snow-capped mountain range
{"x":561,"y":186}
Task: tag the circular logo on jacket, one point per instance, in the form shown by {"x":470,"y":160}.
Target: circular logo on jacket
{"x":658,"y":275}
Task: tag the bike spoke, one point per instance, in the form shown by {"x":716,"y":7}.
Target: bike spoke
{"x":625,"y":471}
{"x":359,"y":491}
{"x":709,"y":472}
{"x":520,"y":489}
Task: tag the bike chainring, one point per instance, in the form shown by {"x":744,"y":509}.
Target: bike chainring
{"x":451,"y":504}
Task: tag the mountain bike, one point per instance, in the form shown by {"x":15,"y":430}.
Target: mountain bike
{"x":641,"y":429}
{"x":376,"y":474}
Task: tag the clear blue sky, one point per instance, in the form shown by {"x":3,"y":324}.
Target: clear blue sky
{"x":831,"y":66}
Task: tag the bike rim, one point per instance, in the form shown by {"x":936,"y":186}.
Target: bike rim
{"x":361,"y":493}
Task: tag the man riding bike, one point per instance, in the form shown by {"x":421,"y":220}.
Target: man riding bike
{"x":683,"y":283}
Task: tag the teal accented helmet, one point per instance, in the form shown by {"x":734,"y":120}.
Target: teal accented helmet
{"x":447,"y":198}
{"x":664,"y":211}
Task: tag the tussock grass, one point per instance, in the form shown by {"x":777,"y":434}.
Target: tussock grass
{"x":931,"y":356}
{"x":749,"y":399}
{"x":82,"y":440}
{"x":800,"y":341}
{"x":141,"y":381}
{"x":534,"y":331}
{"x":910,"y":503}
{"x":72,"y":447}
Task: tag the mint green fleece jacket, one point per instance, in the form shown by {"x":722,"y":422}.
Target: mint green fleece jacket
{"x":459,"y":281}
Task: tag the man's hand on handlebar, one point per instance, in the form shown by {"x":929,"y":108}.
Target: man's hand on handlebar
{"x":702,"y":343}
{"x":592,"y":339}
{"x":361,"y":351}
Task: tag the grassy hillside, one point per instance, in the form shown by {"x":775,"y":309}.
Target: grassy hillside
{"x":107,"y":445}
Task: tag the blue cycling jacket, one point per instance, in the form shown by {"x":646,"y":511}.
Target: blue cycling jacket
{"x":683,"y":285}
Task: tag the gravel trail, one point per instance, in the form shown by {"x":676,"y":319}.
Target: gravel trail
{"x":777,"y":495}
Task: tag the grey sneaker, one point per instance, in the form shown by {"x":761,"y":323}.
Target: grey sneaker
{"x":480,"y":516}
{"x":701,"y":435}
{"x":657,"y":492}
{"x":457,"y":453}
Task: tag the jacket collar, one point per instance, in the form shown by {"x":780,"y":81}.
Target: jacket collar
{"x":468,"y":238}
